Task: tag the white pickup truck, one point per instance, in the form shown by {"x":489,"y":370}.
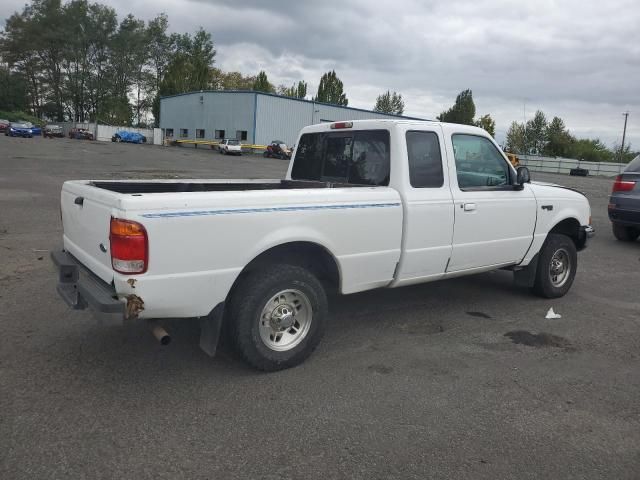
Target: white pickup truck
{"x":365,"y":204}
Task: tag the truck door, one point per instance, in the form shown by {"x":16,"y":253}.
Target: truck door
{"x":428,"y":208}
{"x":494,"y":222}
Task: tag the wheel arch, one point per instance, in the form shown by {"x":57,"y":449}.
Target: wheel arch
{"x":310,"y":255}
{"x":570,"y":227}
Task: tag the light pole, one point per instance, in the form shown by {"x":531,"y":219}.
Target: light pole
{"x":624,"y":134}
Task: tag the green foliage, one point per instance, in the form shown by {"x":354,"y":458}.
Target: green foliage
{"x":487,"y":123}
{"x":462,"y":111}
{"x":515,"y":141}
{"x":331,"y":90}
{"x":559,"y":142}
{"x":591,"y":150}
{"x":623,"y":155}
{"x":13,"y":90}
{"x":15,"y":116}
{"x":262,"y":83}
{"x":536,"y":134}
{"x":389,"y":103}
{"x":78,"y":62}
{"x":230,"y":80}
{"x":295,"y":91}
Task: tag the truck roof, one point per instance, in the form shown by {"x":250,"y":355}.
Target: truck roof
{"x":372,"y":123}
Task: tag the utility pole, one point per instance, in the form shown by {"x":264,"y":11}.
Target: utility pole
{"x":624,"y":134}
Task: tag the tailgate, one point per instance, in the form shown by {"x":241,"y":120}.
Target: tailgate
{"x":86,"y":214}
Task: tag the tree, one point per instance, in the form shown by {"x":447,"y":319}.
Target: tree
{"x":262,"y":83}
{"x":515,"y":141}
{"x":536,"y":134}
{"x":295,"y":91}
{"x":230,"y":80}
{"x":331,"y":90}
{"x":559,"y":140}
{"x":487,"y":123}
{"x":13,"y":91}
{"x":389,"y":103}
{"x":590,"y":150}
{"x":623,"y":156}
{"x":462,"y":111}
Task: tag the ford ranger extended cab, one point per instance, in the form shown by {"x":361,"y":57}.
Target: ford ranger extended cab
{"x":365,"y":204}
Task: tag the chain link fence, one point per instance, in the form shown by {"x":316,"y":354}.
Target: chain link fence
{"x":564,"y":165}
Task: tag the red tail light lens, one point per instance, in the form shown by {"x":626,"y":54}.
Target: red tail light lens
{"x":339,"y":125}
{"x":129,"y":246}
{"x":623,"y":185}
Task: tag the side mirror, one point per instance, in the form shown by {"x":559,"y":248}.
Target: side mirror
{"x":523,"y":176}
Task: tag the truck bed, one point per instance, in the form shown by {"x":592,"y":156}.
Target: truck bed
{"x":175,"y":186}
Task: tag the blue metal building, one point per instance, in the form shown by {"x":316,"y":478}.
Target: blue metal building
{"x":252,"y":117}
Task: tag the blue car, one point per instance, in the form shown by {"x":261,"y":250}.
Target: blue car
{"x":17,"y":129}
{"x":35,"y":130}
{"x":129,"y":137}
{"x":624,"y":203}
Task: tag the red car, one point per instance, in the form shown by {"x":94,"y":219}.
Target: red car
{"x":4,"y":124}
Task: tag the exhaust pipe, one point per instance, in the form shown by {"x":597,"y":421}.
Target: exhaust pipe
{"x":161,"y":334}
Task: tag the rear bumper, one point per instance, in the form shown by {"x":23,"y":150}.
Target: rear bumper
{"x":624,"y":216}
{"x":81,"y":289}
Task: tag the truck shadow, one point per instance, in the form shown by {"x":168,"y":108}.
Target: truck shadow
{"x":128,"y":352}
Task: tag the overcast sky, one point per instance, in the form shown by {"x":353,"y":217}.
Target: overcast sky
{"x":577,"y":59}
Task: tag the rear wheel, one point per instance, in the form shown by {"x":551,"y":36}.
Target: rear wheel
{"x":278,"y":316}
{"x":625,"y":233}
{"x":557,"y":264}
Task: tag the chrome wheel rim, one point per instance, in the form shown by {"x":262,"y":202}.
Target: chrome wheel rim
{"x":560,"y":267}
{"x":285,"y":320}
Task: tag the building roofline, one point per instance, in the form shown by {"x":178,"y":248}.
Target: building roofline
{"x":402,"y":117}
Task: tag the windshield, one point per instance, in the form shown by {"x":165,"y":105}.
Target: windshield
{"x":20,"y":125}
{"x":232,"y":142}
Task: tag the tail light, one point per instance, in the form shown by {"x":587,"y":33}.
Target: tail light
{"x":623,"y":185}
{"x":129,"y":246}
{"x":339,"y":125}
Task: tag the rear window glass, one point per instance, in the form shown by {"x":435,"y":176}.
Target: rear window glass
{"x":425,"y":162}
{"x":357,"y":157}
{"x":634,"y":165}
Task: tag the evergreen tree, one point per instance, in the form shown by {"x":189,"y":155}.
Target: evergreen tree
{"x":331,"y":90}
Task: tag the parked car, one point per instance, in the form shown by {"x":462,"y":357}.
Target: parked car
{"x":4,"y":125}
{"x":230,"y":146}
{"x":80,"y":134}
{"x":35,"y":129}
{"x":129,"y":137}
{"x":277,"y":149}
{"x":624,"y":203}
{"x":17,"y":129}
{"x":365,"y":204}
{"x":51,"y":131}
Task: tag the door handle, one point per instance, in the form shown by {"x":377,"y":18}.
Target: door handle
{"x":469,"y":207}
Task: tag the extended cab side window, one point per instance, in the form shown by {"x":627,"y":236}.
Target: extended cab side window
{"x":425,"y":161}
{"x":479,"y":164}
{"x":358,"y":157}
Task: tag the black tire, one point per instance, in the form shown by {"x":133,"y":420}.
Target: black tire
{"x":544,"y":286}
{"x":625,"y":233}
{"x":253,"y":294}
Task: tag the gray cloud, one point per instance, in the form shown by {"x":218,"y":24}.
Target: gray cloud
{"x":576,"y":59}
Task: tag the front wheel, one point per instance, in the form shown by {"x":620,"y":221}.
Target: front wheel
{"x":625,"y":233}
{"x":278,"y":316}
{"x":557,"y":265}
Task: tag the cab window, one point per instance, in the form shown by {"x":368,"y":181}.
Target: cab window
{"x":425,"y":161}
{"x":479,"y":164}
{"x":358,"y":157}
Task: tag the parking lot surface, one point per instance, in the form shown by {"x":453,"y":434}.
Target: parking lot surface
{"x":421,"y":382}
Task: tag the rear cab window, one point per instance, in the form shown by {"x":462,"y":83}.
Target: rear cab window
{"x":356,"y":157}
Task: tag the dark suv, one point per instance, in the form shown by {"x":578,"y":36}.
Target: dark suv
{"x":624,"y":204}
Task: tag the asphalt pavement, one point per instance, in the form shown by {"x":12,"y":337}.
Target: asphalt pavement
{"x":421,"y":382}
